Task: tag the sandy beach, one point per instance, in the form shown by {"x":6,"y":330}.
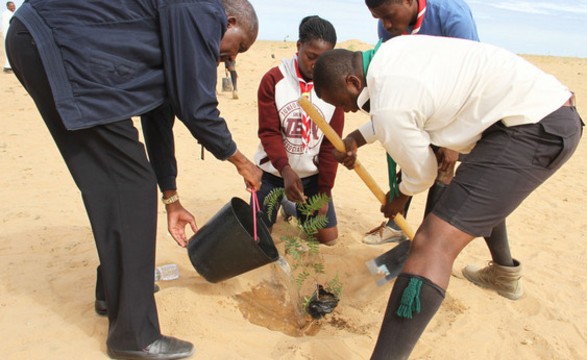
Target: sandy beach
{"x":48,"y":257}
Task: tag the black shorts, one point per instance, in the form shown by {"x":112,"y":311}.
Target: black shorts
{"x":504,"y":167}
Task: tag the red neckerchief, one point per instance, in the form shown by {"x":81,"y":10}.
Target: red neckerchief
{"x":420,"y":18}
{"x":306,"y":90}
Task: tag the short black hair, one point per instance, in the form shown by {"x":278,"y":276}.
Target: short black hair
{"x":315,"y":28}
{"x":371,"y":4}
{"x":332,"y":66}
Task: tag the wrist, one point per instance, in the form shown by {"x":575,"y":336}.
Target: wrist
{"x":170,"y":197}
{"x":357,"y":138}
{"x":284,"y":170}
{"x":237,"y":159}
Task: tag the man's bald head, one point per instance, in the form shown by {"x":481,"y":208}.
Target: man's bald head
{"x":246,"y":15}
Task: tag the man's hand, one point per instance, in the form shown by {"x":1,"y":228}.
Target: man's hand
{"x":397,"y":205}
{"x":293,"y":185}
{"x":348,"y":158}
{"x":447,"y":160}
{"x":249,"y":171}
{"x":177,"y":219}
{"x":352,"y":142}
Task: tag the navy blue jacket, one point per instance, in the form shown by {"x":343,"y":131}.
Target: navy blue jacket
{"x":110,"y":60}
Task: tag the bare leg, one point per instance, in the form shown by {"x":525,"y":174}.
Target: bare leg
{"x":327,"y":236}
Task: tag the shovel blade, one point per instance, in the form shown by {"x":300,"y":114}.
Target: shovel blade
{"x":390,"y":263}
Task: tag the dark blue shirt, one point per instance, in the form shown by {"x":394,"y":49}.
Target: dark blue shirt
{"x":109,"y":60}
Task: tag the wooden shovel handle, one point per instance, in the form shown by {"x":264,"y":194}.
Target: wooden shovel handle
{"x":359,"y":169}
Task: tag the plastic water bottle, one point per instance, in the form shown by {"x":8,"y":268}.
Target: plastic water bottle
{"x":166,"y":272}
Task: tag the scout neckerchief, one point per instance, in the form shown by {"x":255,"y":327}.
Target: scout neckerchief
{"x":391,"y":165}
{"x":420,"y":17}
{"x":306,"y":90}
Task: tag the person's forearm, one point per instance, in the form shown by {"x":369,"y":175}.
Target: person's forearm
{"x":238,"y":160}
{"x":157,"y":128}
{"x":249,"y":171}
{"x":358,"y":138}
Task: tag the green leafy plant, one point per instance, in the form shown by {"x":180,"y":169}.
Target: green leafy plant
{"x":303,"y":249}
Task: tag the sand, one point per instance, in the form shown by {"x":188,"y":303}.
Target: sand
{"x":48,"y":257}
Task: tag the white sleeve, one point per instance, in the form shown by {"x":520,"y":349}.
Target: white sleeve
{"x":368,"y":132}
{"x":399,"y":123}
{"x":410,"y":147}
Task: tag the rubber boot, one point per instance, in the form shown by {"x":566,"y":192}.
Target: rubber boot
{"x":506,"y":280}
{"x":413,"y":302}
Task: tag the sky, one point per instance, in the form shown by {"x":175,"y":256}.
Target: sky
{"x":556,"y":28}
{"x":540,"y":27}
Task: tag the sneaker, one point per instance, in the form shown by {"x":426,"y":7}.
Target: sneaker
{"x":506,"y":280}
{"x":384,"y":234}
{"x":235,"y":94}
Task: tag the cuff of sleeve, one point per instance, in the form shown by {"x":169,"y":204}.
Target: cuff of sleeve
{"x":232,"y":149}
{"x":325,"y":190}
{"x":167,"y":183}
{"x":280,"y":164}
{"x":412,"y":189}
{"x":368,"y":132}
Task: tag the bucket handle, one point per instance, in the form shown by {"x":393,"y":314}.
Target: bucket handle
{"x":256,"y":208}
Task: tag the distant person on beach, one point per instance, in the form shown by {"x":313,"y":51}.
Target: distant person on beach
{"x":6,"y":16}
{"x":449,"y":18}
{"x":87,"y":84}
{"x":517,"y":124}
{"x":230,"y":66}
{"x":293,"y":152}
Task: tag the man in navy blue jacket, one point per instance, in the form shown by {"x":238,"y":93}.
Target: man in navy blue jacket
{"x":92,"y":65}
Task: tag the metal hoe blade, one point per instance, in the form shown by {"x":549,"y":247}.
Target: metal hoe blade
{"x":389,"y":264}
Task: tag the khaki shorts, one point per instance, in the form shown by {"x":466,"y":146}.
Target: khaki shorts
{"x":504,"y":167}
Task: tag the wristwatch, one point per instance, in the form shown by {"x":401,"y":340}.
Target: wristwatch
{"x":170,"y":200}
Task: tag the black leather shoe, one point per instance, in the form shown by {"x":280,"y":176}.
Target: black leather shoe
{"x":166,"y":348}
{"x":102,"y":308}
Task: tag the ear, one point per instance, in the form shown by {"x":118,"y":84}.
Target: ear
{"x":298,"y":44}
{"x":232,"y":22}
{"x":354,"y":83}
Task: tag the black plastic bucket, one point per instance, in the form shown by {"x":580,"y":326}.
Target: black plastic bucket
{"x":225,"y":247}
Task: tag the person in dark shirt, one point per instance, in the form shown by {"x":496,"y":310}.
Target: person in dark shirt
{"x":87,"y":84}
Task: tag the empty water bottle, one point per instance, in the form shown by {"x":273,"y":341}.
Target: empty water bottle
{"x":166,"y":272}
